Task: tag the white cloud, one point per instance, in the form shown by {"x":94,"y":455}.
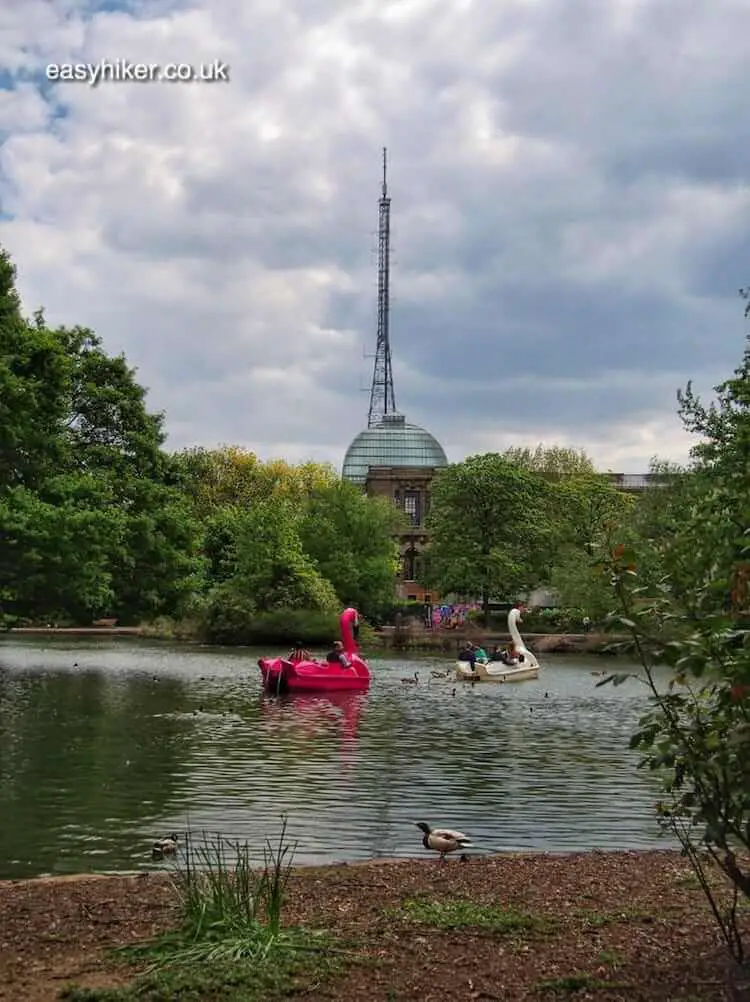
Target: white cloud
{"x":569,"y":229}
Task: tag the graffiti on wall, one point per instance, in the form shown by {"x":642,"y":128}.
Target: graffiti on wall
{"x":451,"y":617}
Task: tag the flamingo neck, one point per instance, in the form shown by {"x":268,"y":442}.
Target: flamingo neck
{"x":347,"y":637}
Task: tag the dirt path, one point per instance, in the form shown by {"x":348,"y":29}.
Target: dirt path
{"x":604,"y":926}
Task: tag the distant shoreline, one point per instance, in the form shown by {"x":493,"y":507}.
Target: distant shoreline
{"x":384,"y":640}
{"x":102,"y":631}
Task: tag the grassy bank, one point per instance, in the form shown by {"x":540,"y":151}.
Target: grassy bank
{"x":604,"y":926}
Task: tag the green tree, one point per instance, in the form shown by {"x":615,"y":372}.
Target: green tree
{"x":655,"y":527}
{"x":34,"y":375}
{"x":110,"y":433}
{"x":213,"y":478}
{"x":554,"y":461}
{"x":83,"y":479}
{"x":578,"y":503}
{"x":487,"y":523}
{"x":584,"y":510}
{"x":350,"y":539}
{"x":57,"y":553}
{"x":272,"y":566}
{"x":697,"y":733}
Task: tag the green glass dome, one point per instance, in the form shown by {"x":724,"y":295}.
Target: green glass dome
{"x":391,"y":442}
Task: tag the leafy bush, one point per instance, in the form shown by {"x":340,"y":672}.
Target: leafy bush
{"x":287,"y":626}
{"x":554,"y":621}
{"x":231,"y":618}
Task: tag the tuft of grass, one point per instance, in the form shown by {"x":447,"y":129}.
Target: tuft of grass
{"x":572,"y":983}
{"x":221,"y":981}
{"x":231,"y":909}
{"x":231,"y":943}
{"x":463,"y":914}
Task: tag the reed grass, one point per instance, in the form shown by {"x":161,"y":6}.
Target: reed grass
{"x":231,"y":942}
{"x":232,"y":907}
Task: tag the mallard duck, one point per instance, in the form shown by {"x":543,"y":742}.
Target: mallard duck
{"x":442,"y":840}
{"x":411,"y":681}
{"x":165,"y":846}
{"x":439,"y":674}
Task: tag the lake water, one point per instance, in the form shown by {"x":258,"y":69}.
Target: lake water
{"x":108,"y":743}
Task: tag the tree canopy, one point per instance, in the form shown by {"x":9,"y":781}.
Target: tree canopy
{"x":486,"y":518}
{"x":98,"y":518}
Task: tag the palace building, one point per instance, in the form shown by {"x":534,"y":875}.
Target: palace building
{"x":394,"y":458}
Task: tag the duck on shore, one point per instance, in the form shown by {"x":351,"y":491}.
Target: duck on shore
{"x":166,"y":846}
{"x":442,"y":840}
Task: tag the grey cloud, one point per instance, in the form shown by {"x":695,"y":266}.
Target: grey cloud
{"x":551,"y":261}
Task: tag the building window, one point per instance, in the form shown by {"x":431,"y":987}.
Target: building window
{"x":412,"y":507}
{"x":410,"y":565}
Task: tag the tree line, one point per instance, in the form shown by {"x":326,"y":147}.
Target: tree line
{"x":98,"y":519}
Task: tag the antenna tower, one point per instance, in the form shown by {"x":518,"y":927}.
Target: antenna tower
{"x":382,"y":398}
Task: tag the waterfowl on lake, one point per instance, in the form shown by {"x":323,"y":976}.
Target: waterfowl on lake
{"x":439,"y":674}
{"x":442,"y":840}
{"x":165,"y":846}
{"x":411,"y":681}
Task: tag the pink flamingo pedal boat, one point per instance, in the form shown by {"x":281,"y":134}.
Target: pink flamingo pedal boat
{"x":283,"y":675}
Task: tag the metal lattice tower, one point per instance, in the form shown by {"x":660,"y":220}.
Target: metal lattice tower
{"x":382,"y":397}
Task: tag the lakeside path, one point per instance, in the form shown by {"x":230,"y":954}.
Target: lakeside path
{"x":604,"y":926}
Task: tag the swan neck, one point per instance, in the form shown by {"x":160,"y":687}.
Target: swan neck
{"x":513,"y":628}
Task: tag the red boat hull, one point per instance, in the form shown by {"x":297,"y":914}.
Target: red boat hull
{"x":280,"y":675}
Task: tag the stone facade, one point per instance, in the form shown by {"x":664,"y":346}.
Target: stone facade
{"x":409,"y":488}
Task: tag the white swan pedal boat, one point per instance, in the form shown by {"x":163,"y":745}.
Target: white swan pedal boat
{"x":496,"y":671}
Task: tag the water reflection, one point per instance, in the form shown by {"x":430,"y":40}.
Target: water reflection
{"x":306,"y":716}
{"x":105,"y":745}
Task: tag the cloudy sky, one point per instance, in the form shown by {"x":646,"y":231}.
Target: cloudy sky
{"x":570,"y":211}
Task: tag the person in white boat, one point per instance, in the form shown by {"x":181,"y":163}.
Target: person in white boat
{"x":467,"y":654}
{"x":503,"y":654}
{"x":480,"y":654}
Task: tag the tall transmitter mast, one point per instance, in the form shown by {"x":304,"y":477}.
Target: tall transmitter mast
{"x":382,"y":397}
